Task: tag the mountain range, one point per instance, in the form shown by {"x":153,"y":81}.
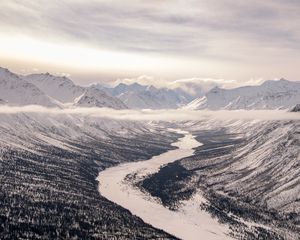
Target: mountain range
{"x":139,"y":96}
{"x":16,"y":90}
{"x":56,"y":91}
{"x":51,"y":91}
{"x":247,"y":170}
{"x":281,"y":94}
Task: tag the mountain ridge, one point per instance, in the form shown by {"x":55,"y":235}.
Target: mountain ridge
{"x":272,"y":94}
{"x":139,"y":96}
{"x":17,"y":91}
{"x":48,"y":90}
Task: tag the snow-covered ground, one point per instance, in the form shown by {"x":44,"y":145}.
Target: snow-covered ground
{"x":189,"y":222}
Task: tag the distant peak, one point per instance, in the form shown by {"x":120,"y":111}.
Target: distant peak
{"x":296,"y":108}
{"x":151,"y":88}
{"x":135,"y":84}
{"x":41,"y":74}
{"x":5,"y":70}
{"x":121,"y":84}
{"x":275,"y":82}
{"x":215,"y":89}
{"x":47,"y":74}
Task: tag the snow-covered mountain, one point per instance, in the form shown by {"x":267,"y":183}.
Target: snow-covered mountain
{"x":17,"y":91}
{"x":59,"y":88}
{"x":2,"y":102}
{"x":296,"y":108}
{"x":269,"y":95}
{"x":51,"y":91}
{"x":94,"y":97}
{"x":66,"y":92}
{"x":141,"y":96}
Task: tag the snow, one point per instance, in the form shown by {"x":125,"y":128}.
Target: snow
{"x":144,"y":97}
{"x":68,"y":94}
{"x":94,"y":97}
{"x":2,"y":102}
{"x":269,"y":95}
{"x":189,"y":222}
{"x":59,"y":88}
{"x":296,"y":108}
{"x":17,"y":91}
{"x":51,"y":91}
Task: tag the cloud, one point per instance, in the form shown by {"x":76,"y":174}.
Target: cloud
{"x":189,"y":27}
{"x":156,"y":115}
{"x":143,"y":80}
{"x":199,"y":86}
{"x":219,"y":38}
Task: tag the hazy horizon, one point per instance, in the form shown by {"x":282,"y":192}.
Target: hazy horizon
{"x":96,"y":41}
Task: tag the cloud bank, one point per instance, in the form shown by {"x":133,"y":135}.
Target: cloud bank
{"x":156,"y":115}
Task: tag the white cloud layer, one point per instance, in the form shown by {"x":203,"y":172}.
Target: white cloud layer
{"x":156,"y":115}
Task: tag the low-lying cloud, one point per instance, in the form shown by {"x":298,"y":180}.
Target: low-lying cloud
{"x":156,"y":115}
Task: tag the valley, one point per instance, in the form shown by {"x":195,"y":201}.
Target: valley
{"x":84,"y":163}
{"x":117,"y":184}
{"x":238,"y":191}
{"x":48,"y":178}
{"x":149,"y":120}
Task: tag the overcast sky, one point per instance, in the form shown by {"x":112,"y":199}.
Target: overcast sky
{"x":95,"y":40}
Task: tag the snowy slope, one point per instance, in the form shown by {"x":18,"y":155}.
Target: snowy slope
{"x":17,"y":91}
{"x":296,"y":108}
{"x":66,"y":92}
{"x":269,"y":95}
{"x":253,"y":166}
{"x":2,"y":102}
{"x":94,"y":97}
{"x":141,"y":96}
{"x":59,"y":88}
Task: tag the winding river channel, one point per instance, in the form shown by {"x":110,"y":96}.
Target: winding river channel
{"x":188,"y":222}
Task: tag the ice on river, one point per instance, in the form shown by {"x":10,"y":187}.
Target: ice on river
{"x":189,"y":222}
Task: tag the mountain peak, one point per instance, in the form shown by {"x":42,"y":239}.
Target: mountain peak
{"x":94,"y":97}
{"x":215,"y":89}
{"x":7,"y":72}
{"x":151,"y":88}
{"x":296,"y":108}
{"x":121,"y":85}
{"x":61,"y":88}
{"x":16,"y":90}
{"x":135,"y":84}
{"x":48,"y":76}
{"x":274,"y":82}
{"x":2,"y":69}
{"x":272,"y":94}
{"x":2,"y":101}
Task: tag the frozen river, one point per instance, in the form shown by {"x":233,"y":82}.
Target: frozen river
{"x":189,"y":222}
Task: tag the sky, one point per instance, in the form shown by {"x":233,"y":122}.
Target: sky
{"x":160,"y":41}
